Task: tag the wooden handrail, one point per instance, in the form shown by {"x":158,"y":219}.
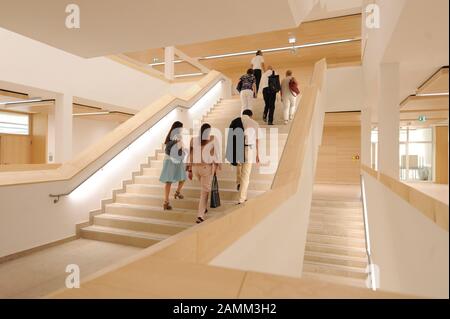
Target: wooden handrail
{"x":113,"y":140}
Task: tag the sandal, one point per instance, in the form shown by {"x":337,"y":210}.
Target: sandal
{"x":178,"y":195}
{"x":166,"y":206}
{"x":199,"y":220}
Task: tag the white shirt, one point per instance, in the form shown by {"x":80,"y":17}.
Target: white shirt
{"x":251,"y":130}
{"x":257,"y":62}
{"x":265,"y":79}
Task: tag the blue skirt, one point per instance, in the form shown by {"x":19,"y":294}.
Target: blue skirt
{"x":173,"y":171}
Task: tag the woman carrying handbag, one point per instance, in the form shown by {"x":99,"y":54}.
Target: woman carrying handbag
{"x":203,"y":163}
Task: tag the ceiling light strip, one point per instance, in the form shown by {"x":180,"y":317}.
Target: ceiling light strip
{"x":301,"y":46}
{"x":92,"y":113}
{"x":21,"y":101}
{"x":432,"y":94}
{"x":188,"y":74}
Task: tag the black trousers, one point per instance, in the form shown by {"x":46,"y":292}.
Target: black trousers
{"x":269,"y":100}
{"x":257,"y":73}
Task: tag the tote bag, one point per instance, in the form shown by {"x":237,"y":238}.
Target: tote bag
{"x":215,"y":197}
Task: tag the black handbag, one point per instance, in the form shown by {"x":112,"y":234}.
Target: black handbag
{"x":215,"y":197}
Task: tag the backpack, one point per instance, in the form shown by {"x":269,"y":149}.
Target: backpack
{"x":235,"y":143}
{"x":239,"y":86}
{"x":274,"y":83}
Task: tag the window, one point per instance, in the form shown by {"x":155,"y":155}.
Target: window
{"x":14,"y":123}
{"x":416,"y":154}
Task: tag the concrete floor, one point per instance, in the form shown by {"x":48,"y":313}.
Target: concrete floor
{"x":43,"y":272}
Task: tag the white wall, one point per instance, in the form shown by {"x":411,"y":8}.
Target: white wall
{"x":87,"y":132}
{"x":345,"y":90}
{"x":277,"y":244}
{"x":30,"y":63}
{"x":28,"y":216}
{"x":411,"y":251}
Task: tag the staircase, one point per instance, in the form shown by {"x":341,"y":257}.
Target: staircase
{"x":135,"y":216}
{"x":335,"y":246}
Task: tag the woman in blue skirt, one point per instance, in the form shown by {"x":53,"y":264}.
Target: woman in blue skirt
{"x":174,"y":169}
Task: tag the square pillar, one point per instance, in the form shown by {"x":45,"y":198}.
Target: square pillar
{"x":63,"y":128}
{"x":366,"y":134}
{"x":169,"y":68}
{"x":389,"y":120}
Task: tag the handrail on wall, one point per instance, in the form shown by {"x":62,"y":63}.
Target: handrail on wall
{"x":112,"y":142}
{"x":56,"y":197}
{"x":366,"y":232}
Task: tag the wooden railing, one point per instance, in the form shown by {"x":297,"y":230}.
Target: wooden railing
{"x":111,"y":144}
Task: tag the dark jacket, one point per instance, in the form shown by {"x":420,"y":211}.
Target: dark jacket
{"x":235,"y":153}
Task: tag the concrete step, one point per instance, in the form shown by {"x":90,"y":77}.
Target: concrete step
{"x":334,"y":270}
{"x":141,"y":224}
{"x":155,"y":200}
{"x":336,"y":218}
{"x":122,"y":236}
{"x":336,"y":249}
{"x":335,"y":203}
{"x":187,"y":191}
{"x":348,"y":281}
{"x":226,"y":183}
{"x":224,"y":173}
{"x":147,"y":211}
{"x":226,"y":168}
{"x":333,"y":211}
{"x":336,"y":240}
{"x":332,"y":259}
{"x":336,"y":231}
{"x":337,"y":224}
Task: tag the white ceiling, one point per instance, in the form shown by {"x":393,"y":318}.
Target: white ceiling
{"x":117,"y":26}
{"x":420,"y":43}
{"x":325,"y":9}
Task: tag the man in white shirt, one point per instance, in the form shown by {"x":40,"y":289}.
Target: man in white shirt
{"x":258,"y":68}
{"x":251,"y":142}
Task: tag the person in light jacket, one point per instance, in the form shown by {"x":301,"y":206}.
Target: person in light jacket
{"x":203,"y":162}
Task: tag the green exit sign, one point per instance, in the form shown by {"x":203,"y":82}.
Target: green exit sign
{"x":422,"y":118}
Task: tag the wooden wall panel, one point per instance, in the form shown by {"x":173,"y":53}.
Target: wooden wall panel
{"x":39,"y":128}
{"x":441,"y":155}
{"x":340,"y":143}
{"x":15,"y":149}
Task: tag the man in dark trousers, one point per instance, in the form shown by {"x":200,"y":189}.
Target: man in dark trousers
{"x":270,"y":84}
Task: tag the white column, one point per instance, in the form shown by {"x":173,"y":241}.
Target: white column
{"x":169,"y":68}
{"x":389,"y":120}
{"x":63,"y":128}
{"x":366,"y":131}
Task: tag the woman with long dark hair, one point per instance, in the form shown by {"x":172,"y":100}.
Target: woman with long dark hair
{"x":203,"y":162}
{"x":174,"y":170}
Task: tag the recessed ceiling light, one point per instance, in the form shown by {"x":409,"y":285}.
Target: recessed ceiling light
{"x":21,"y":101}
{"x":252,"y":52}
{"x":188,"y":74}
{"x":432,"y":94}
{"x":91,"y":113}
